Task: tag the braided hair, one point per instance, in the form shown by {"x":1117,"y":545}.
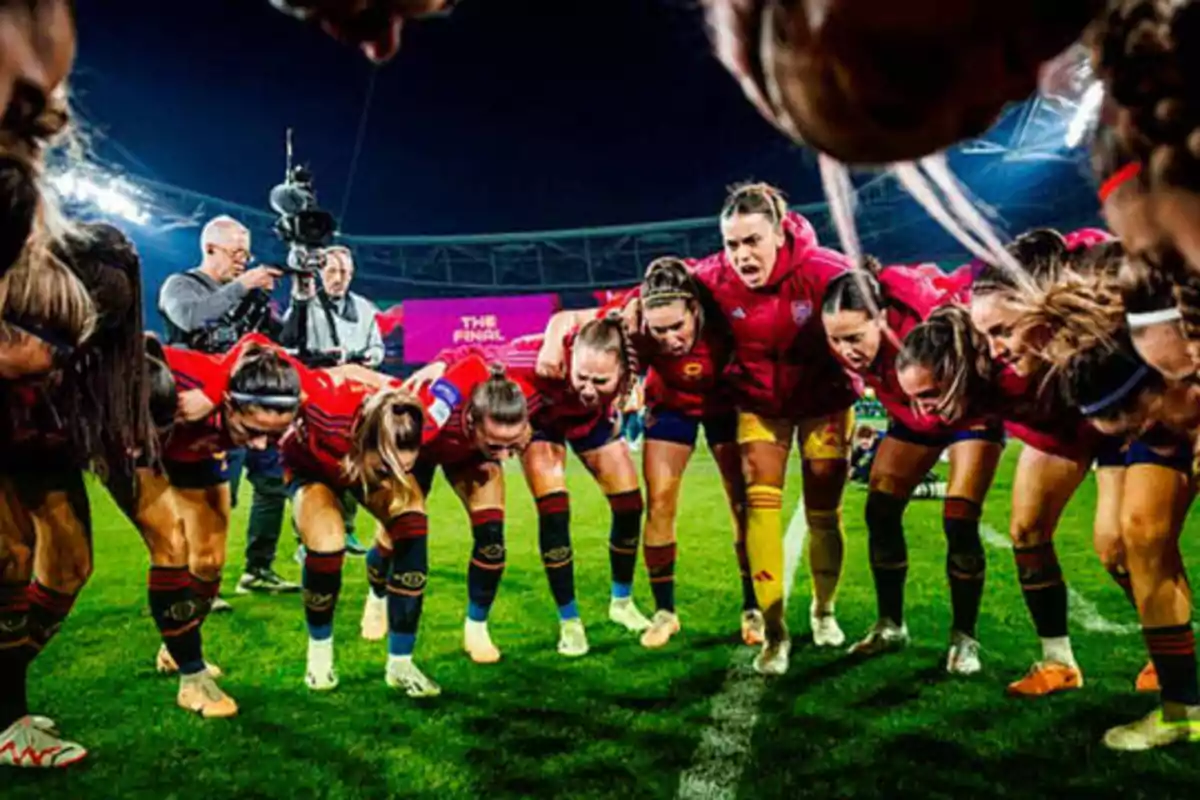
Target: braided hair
{"x":756,"y":198}
{"x":948,"y":345}
{"x":608,"y":335}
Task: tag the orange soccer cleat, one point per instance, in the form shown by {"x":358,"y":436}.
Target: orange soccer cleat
{"x":1047,"y":677}
{"x":1147,"y":679}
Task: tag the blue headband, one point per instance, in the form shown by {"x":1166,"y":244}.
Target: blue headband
{"x":284,"y":402}
{"x":1116,"y":395}
{"x":53,"y":338}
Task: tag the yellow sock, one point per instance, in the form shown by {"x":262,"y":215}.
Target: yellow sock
{"x":826,"y":547}
{"x":764,"y":543}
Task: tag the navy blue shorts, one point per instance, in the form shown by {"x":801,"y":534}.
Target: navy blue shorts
{"x":665,"y":425}
{"x":1161,"y":449}
{"x":197,"y":474}
{"x":604,"y":432}
{"x":1111,"y":452}
{"x":988,"y":432}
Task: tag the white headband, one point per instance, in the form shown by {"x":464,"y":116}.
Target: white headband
{"x":1144,"y":319}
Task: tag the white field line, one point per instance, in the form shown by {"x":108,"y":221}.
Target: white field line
{"x":1082,"y":610}
{"x":724,"y":749}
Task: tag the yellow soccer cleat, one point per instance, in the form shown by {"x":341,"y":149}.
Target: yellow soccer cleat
{"x":1153,"y":731}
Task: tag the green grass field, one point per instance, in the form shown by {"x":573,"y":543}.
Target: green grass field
{"x":622,"y":722}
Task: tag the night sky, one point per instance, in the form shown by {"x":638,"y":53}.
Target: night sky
{"x":514,"y":115}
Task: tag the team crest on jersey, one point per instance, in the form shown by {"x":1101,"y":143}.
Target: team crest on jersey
{"x":801,"y":311}
{"x":693,"y":370}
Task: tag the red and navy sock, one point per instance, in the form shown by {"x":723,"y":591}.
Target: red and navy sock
{"x":1173,"y":651}
{"x":1043,"y":587}
{"x":623,"y":540}
{"x":175,"y":613}
{"x":379,"y":564}
{"x":204,"y":592}
{"x":487,"y":562}
{"x":48,"y":609}
{"x":660,"y":565}
{"x":554,"y":541}
{"x":1121,"y":577}
{"x":966,"y":564}
{"x":14,"y":651}
{"x":406,"y":580}
{"x":322,"y":580}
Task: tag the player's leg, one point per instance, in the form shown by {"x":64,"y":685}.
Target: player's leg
{"x":670,"y":439}
{"x":317,"y":512}
{"x":721,"y":434}
{"x":25,"y":740}
{"x":204,"y":503}
{"x":612,"y":466}
{"x":480,"y":486}
{"x":765,"y":445}
{"x":148,"y":499}
{"x":403,"y":515}
{"x":824,"y":445}
{"x":1153,"y":510}
{"x":973,"y":460}
{"x":903,"y":459}
{"x":544,"y":465}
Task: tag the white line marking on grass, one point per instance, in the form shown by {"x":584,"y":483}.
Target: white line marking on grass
{"x":724,"y":748}
{"x":1081,"y":609}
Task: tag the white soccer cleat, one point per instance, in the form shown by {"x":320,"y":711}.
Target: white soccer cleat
{"x":374,"y":618}
{"x":885,"y":636}
{"x":963,"y":658}
{"x":623,"y":612}
{"x":200,"y":694}
{"x":754,"y":628}
{"x":165,"y":664}
{"x":825,"y":629}
{"x":28,"y":744}
{"x":664,"y":625}
{"x":478,"y":643}
{"x":774,"y":658}
{"x":320,"y":676}
{"x":572,"y":639}
{"x":402,"y":673}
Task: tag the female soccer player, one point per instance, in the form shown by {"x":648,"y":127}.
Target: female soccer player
{"x":684,"y":345}
{"x":867,"y":345}
{"x":579,"y":410}
{"x":768,"y":282}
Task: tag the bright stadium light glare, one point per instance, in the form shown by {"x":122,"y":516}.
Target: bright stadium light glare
{"x":1086,"y":115}
{"x":110,"y":195}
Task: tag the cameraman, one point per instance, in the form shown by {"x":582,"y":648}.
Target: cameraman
{"x":329,"y":324}
{"x":208,"y":309}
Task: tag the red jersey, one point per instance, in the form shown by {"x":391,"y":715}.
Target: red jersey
{"x":689,"y":384}
{"x":206,"y":438}
{"x":781,"y":365}
{"x":447,"y":438}
{"x":554,"y":407}
{"x":1042,"y":420}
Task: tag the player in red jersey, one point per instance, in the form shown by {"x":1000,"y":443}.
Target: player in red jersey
{"x":867,"y":345}
{"x":580,"y":410}
{"x":768,"y":282}
{"x":683,"y":343}
{"x":1060,"y":449}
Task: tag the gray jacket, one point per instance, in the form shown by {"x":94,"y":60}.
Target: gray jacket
{"x":355,"y":320}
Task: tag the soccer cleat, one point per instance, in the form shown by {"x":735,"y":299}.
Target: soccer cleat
{"x":300,"y":556}
{"x":1147,"y":679}
{"x":1153,"y":731}
{"x":354,"y":547}
{"x":1047,"y":677}
{"x":28,"y":744}
{"x":885,"y":636}
{"x":320,"y":676}
{"x":267,"y":581}
{"x":45,"y":723}
{"x":200,"y":693}
{"x":774,"y":658}
{"x":572,"y":639}
{"x":754,"y":628}
{"x":478,"y":643}
{"x":825,"y":629}
{"x":963,"y":658}
{"x":402,"y":673}
{"x":220,"y":606}
{"x":623,"y":612}
{"x":374,"y":618}
{"x":165,"y":664}
{"x":664,"y":625}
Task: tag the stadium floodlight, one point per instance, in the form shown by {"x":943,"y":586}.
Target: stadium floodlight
{"x":1086,"y":115}
{"x":110,"y":195}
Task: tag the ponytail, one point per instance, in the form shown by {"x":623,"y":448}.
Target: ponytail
{"x":853,"y":291}
{"x":499,"y":399}
{"x":948,"y":345}
{"x":389,"y":425}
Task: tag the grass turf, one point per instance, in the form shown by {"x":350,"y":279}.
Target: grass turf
{"x":622,"y":722}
